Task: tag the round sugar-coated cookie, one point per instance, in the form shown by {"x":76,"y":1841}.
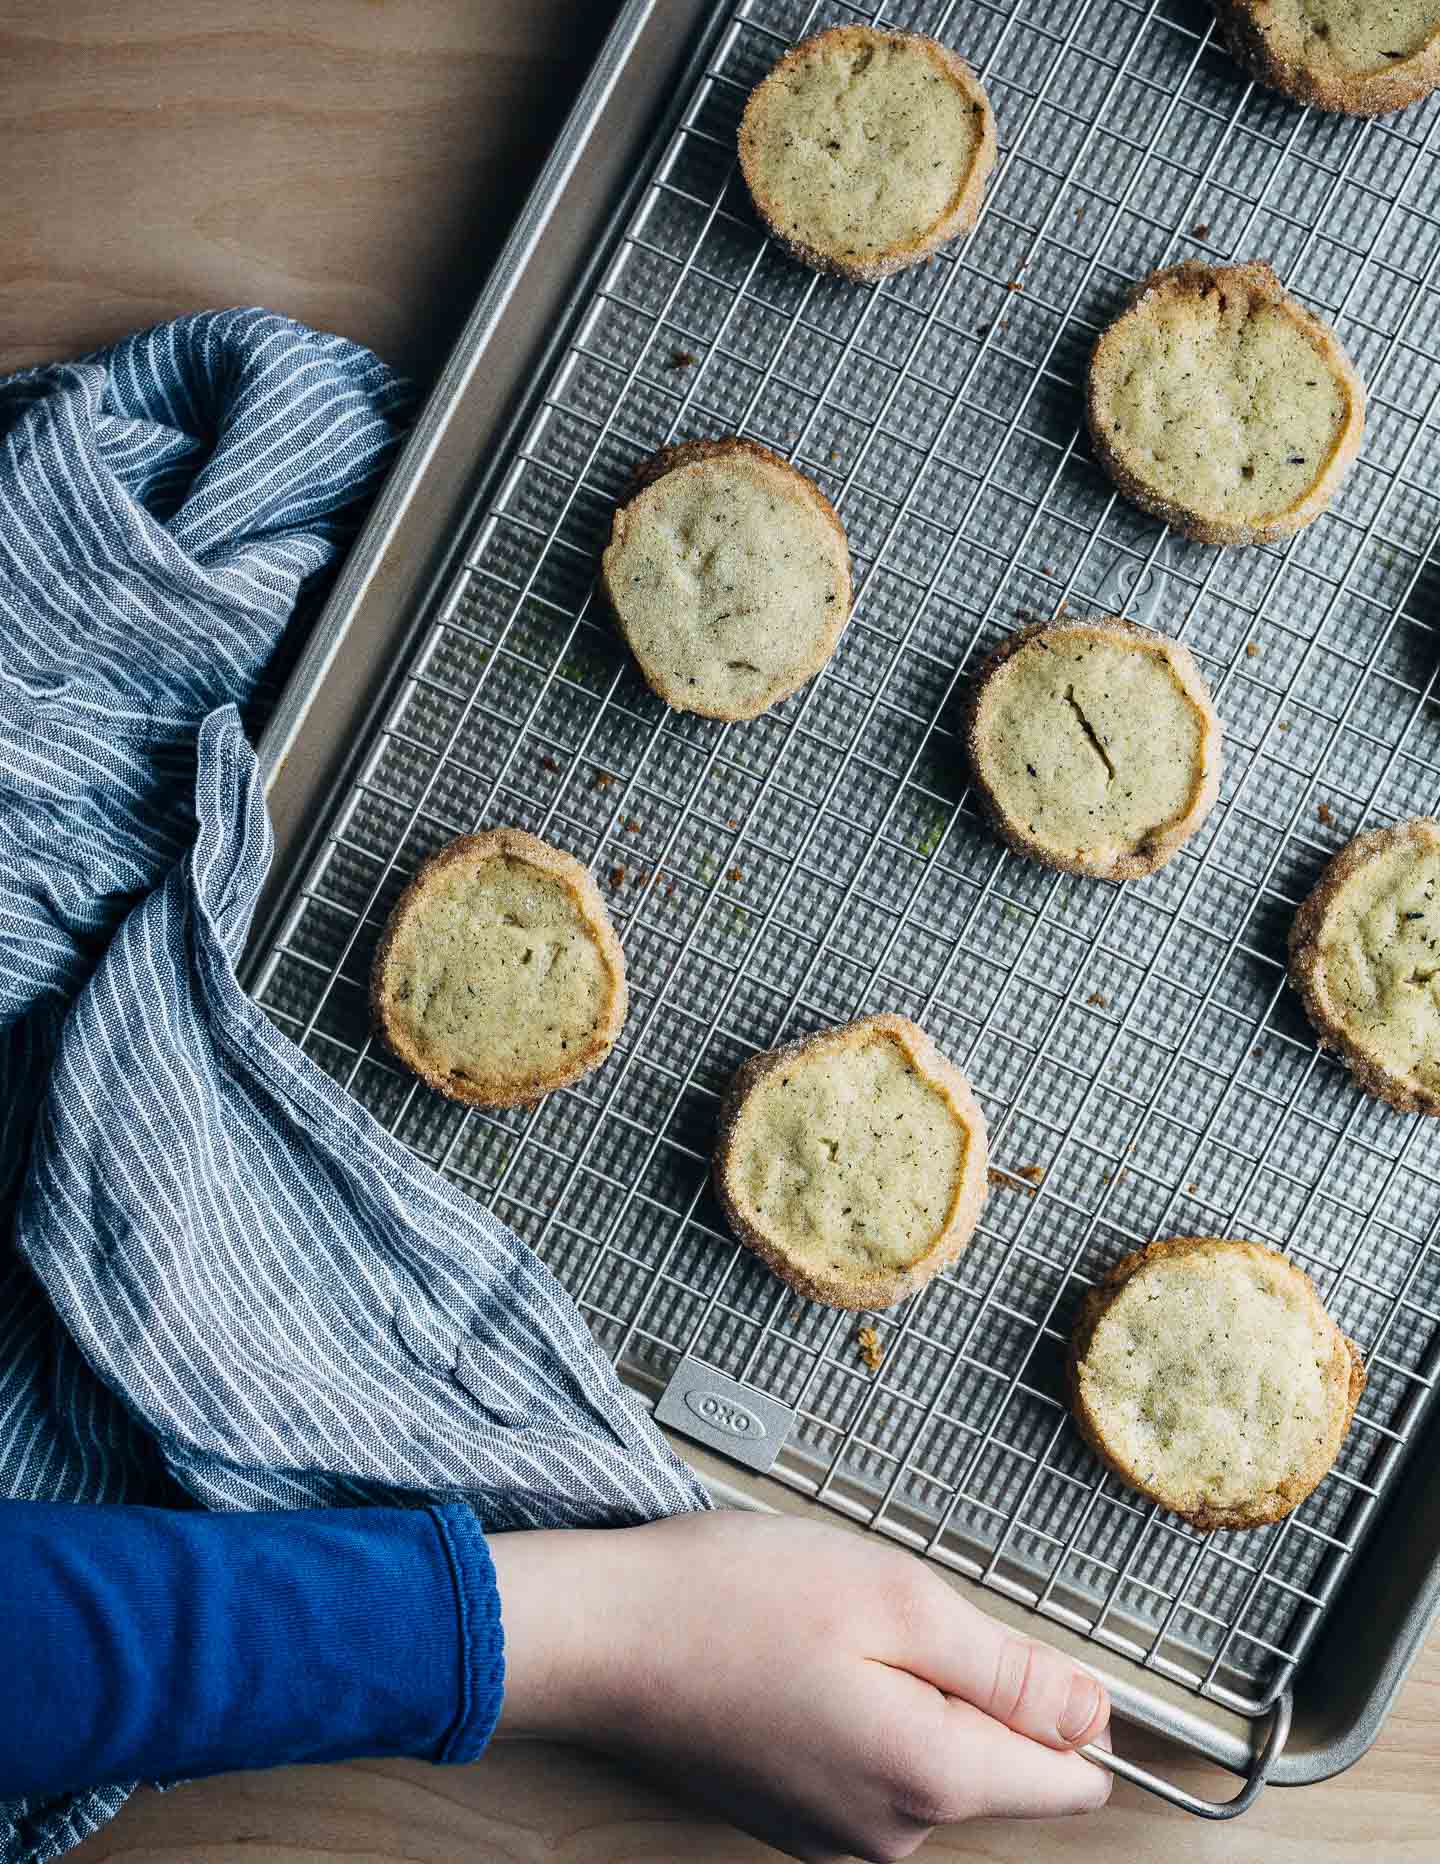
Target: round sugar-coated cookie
{"x":1094,"y":746}
{"x":853,"y":1162}
{"x":1364,"y":57}
{"x":1365,"y":957}
{"x":499,"y":976}
{"x":729,"y":575}
{"x":1206,"y":1373}
{"x":865,"y":150}
{"x":1219,"y":403}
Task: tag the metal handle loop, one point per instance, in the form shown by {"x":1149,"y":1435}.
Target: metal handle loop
{"x":1276,"y":1736}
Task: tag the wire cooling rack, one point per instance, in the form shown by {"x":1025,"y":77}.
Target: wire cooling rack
{"x":1137,"y":1044}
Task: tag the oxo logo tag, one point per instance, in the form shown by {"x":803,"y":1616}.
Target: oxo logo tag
{"x":747,"y":1425}
{"x":722,"y":1413}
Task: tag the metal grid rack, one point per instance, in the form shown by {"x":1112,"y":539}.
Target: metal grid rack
{"x":1136,"y":1042}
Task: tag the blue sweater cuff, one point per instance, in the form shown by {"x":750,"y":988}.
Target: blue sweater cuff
{"x":146,"y":1643}
{"x":482,"y":1643}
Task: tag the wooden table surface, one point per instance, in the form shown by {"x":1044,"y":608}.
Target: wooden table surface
{"x":355,"y":163}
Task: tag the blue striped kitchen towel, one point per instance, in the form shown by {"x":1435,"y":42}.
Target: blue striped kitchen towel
{"x":221,"y":1282}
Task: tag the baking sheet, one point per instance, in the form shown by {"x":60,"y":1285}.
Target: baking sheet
{"x":1137,"y":1043}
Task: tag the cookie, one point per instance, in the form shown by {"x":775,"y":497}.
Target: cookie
{"x":1365,"y":958}
{"x":729,"y":575}
{"x":1345,"y":55}
{"x":853,"y":1162}
{"x":499,"y":976}
{"x":1094,"y":746}
{"x":1221,"y":405}
{"x":866,"y":150}
{"x":1206,"y":1373}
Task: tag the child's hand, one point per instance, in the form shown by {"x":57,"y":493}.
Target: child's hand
{"x":823,"y":1690}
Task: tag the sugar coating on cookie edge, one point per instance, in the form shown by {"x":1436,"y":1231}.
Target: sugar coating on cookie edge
{"x":1365,"y":954}
{"x":864,"y":149}
{"x":1095,"y":746}
{"x":1210,"y":1377}
{"x":1339,"y":55}
{"x":1220,"y":403}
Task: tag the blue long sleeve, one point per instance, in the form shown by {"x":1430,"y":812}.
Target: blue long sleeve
{"x":148,"y":1643}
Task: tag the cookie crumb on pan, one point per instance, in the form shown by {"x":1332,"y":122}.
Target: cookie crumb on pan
{"x":872,"y":1351}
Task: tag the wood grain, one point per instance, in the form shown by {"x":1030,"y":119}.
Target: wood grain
{"x":355,"y":163}
{"x":534,"y":1804}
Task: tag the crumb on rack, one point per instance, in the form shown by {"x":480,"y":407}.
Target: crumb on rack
{"x":603,"y":779}
{"x":732,"y":821}
{"x":1252,"y":648}
{"x":617,"y":876}
{"x":548,"y":763}
{"x":1284,"y":725}
{"x":632,"y":827}
{"x":683,"y":359}
{"x":1099,"y":1002}
{"x":670,"y":891}
{"x":1323,"y":811}
{"x":735,"y":876}
{"x":1005,"y":1179}
{"x":871,"y":1349}
{"x":1192,"y":1189}
{"x":1200,"y":230}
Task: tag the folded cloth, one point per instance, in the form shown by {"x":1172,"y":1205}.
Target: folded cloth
{"x":222,"y":1283}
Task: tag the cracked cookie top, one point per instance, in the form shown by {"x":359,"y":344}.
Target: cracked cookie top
{"x":865,"y":150}
{"x":1095,"y":746}
{"x":1365,"y":957}
{"x":729,"y":574}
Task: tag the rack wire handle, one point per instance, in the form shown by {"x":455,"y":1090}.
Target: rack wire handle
{"x":1274,"y":1744}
